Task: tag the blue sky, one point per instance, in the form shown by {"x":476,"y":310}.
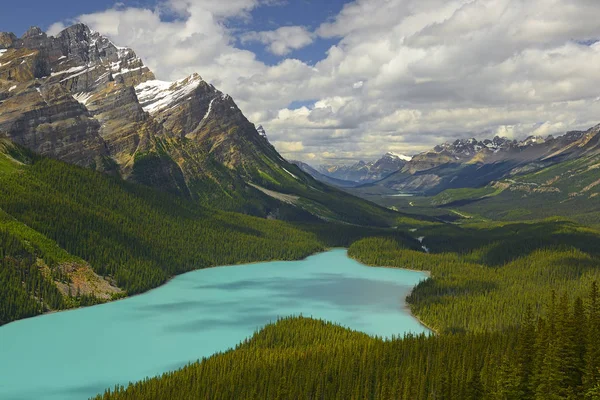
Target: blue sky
{"x":19,"y":16}
{"x":309,"y":13}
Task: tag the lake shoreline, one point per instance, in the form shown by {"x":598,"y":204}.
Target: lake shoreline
{"x":199,"y":315}
{"x":168,"y":281}
{"x":407,"y":306}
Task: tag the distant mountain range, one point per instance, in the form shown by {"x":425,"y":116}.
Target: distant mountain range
{"x":81,"y":99}
{"x":359,"y":173}
{"x":323,"y":177}
{"x":471,"y":163}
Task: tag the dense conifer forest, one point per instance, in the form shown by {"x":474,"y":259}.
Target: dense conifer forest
{"x":55,"y":213}
{"x":485,"y":277}
{"x":551,"y":357}
{"x":25,"y":290}
{"x":514,"y":305}
{"x":514,"y":308}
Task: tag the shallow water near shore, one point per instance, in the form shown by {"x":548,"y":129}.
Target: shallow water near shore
{"x":77,"y":354}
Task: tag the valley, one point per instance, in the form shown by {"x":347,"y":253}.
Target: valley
{"x":123,"y":197}
{"x":514,"y":308}
{"x":538,"y":177}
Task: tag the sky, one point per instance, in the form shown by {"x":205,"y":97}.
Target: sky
{"x":336,"y":81}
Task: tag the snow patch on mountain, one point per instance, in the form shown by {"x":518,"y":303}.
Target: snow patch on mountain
{"x":293,"y":176}
{"x":208,"y":111}
{"x":125,"y":70}
{"x":400,"y":156}
{"x":85,"y":70}
{"x":155,"y":95}
{"x":69,"y":71}
{"x":83,"y":97}
{"x":261,"y":131}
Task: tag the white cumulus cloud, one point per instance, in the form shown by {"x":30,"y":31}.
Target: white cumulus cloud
{"x":403,"y":75}
{"x":282,"y":40}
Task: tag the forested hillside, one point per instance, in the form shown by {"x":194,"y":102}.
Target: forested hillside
{"x":485,"y":277}
{"x":92,"y":237}
{"x":515,"y":309}
{"x":556,"y":357}
{"x":25,"y":290}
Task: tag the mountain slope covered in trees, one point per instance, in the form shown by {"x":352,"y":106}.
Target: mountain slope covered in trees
{"x":91,"y":237}
{"x":516,"y":313}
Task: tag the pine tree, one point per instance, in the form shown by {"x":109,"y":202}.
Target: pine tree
{"x":525,"y":354}
{"x":508,"y":382}
{"x":592,"y":354}
{"x":475,"y":389}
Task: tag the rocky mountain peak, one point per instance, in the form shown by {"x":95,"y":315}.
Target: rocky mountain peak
{"x":7,"y":39}
{"x":532,"y":140}
{"x":82,"y":99}
{"x":460,"y":147}
{"x":261,"y":131}
{"x":393,"y":156}
{"x":34,"y":32}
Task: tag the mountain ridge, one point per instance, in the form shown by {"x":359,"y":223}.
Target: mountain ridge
{"x":474,"y":163}
{"x":365,"y":172}
{"x":81,"y":99}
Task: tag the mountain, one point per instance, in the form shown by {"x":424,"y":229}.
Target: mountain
{"x":322,"y":177}
{"x":366,"y":172}
{"x":70,"y":236}
{"x":472,"y":163}
{"x":79,"y":98}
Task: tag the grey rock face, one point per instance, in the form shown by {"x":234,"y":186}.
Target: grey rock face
{"x":79,"y":98}
{"x":45,"y":83}
{"x":50,"y":122}
{"x":7,"y":39}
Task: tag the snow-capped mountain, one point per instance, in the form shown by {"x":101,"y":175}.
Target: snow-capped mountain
{"x":106,"y":107}
{"x":402,"y":157}
{"x":471,"y":162}
{"x":80,"y":98}
{"x":366,"y":172}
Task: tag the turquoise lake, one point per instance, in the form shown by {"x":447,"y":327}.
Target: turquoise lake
{"x":76,"y":354}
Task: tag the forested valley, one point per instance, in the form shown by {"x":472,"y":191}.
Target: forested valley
{"x":54,"y":216}
{"x":512,"y":305}
{"x":550,"y":357}
{"x":514,"y":312}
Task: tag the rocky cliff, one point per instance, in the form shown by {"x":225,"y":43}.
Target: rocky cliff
{"x":80,"y":98}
